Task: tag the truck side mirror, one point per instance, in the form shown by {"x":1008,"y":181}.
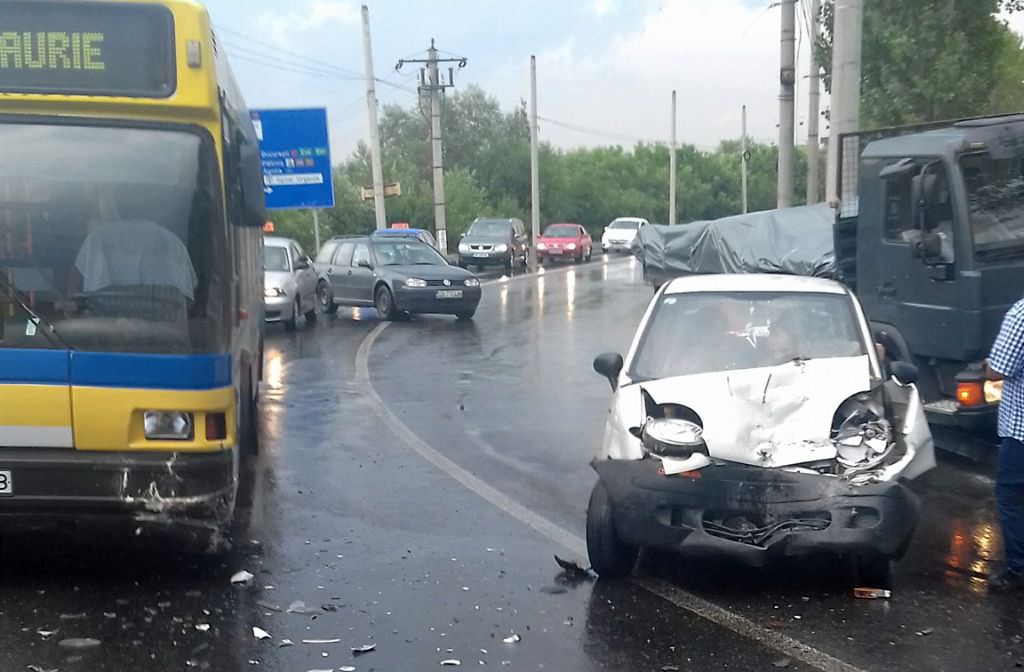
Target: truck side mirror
{"x":928,"y":246}
{"x":923,"y":189}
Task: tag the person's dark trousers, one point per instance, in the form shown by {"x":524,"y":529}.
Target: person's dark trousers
{"x":1010,"y":501}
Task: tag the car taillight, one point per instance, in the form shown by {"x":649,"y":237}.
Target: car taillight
{"x":970,"y":393}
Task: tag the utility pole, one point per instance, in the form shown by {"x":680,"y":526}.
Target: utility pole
{"x":316,"y":229}
{"x":787,"y":85}
{"x":744,"y":160}
{"x":846,"y":69}
{"x":534,"y":159}
{"x":672,"y":168}
{"x":371,"y":104}
{"x":814,"y":113}
{"x":433,"y":83}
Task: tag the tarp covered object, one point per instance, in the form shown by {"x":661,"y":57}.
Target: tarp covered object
{"x":797,"y":241}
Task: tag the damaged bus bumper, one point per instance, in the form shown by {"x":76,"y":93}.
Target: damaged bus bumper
{"x":171,"y":488}
{"x":757,"y":514}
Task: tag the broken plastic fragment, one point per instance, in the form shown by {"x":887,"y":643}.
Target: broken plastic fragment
{"x":36,"y":668}
{"x":669,"y":668}
{"x":203,"y":627}
{"x":513,"y":639}
{"x":260,"y":633}
{"x":299,"y":607}
{"x":242,"y":577}
{"x":346,"y":668}
{"x":46,"y":634}
{"x":365,"y":648}
{"x":571,"y":567}
{"x":782,"y":663}
{"x":871,"y":593}
{"x":79,"y":643}
{"x":451,"y":662}
{"x":321,"y":641}
{"x":925,"y":632}
{"x":285,"y":642}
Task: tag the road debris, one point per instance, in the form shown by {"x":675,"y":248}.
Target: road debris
{"x":36,"y":668}
{"x":321,"y":641}
{"x":782,"y":663}
{"x":554,"y":590}
{"x":260,"y":633}
{"x":73,"y":617}
{"x":242,"y":577}
{"x":365,"y":648}
{"x":269,"y":606}
{"x":79,"y":643}
{"x":669,"y":668}
{"x":46,"y":634}
{"x":346,"y":668}
{"x":299,"y":607}
{"x":203,"y":627}
{"x":285,"y":642}
{"x":451,"y":662}
{"x":924,"y":632}
{"x":572,"y":568}
{"x":871,"y":593}
{"x":513,"y":639}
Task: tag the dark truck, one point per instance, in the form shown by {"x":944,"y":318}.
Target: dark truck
{"x":930,"y":236}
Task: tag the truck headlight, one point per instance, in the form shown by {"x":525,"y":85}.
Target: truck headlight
{"x":415,"y":282}
{"x":167,"y":425}
{"x":273,"y":292}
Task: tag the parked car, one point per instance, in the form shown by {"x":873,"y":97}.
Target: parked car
{"x":289,"y":282}
{"x":564,"y":241}
{"x":417,"y":234}
{"x":396,"y":276}
{"x":619,"y":234}
{"x":753,"y":416}
{"x":490,"y":242}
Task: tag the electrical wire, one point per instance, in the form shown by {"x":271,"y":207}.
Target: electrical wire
{"x":612,"y":135}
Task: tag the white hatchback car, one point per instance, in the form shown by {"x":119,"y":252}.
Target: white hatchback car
{"x":619,"y":234}
{"x":753,"y":416}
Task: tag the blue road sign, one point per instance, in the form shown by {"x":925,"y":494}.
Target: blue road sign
{"x":296,"y":158}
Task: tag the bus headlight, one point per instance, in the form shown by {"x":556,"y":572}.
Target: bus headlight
{"x":993,"y":391}
{"x":168,"y":425}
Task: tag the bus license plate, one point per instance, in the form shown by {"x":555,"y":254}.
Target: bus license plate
{"x":449,"y":293}
{"x":6,"y":484}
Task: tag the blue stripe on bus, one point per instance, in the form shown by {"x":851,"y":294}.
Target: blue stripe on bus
{"x":36,"y":367}
{"x":94,"y":369}
{"x":162,"y":372}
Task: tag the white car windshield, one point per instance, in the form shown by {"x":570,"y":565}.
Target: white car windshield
{"x":706,"y":332}
{"x":629,"y":225}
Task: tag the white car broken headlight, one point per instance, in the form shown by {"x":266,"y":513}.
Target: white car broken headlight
{"x":673,"y":437}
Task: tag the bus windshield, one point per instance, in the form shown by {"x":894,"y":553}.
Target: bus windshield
{"x":113,"y":237}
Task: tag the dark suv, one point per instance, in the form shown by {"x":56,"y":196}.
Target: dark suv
{"x":491,"y":242}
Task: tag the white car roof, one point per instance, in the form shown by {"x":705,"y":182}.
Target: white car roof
{"x":277,"y":241}
{"x":753,"y":282}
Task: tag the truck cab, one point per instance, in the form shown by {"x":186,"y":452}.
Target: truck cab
{"x":930,"y":236}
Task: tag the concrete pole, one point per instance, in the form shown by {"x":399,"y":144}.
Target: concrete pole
{"x":371,"y":105}
{"x":787,"y":109}
{"x":534,"y":161}
{"x":440,"y":224}
{"x":316,"y":231}
{"x":672,"y":168}
{"x":846,"y":72}
{"x":813,"y":114}
{"x":744,"y":162}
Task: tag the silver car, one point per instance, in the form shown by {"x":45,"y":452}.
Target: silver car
{"x":289,"y":281}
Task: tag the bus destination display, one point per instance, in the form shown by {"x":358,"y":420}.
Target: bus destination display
{"x":86,"y":48}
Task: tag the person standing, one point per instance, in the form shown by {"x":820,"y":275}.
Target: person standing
{"x":1006,"y":363}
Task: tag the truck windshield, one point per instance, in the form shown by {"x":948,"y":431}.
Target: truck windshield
{"x":112,"y":236}
{"x":995,"y":198}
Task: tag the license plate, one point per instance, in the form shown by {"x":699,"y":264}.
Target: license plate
{"x":449,"y":293}
{"x":481,"y":255}
{"x":6,"y":484}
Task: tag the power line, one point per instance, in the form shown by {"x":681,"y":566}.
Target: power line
{"x":253,"y":55}
{"x":612,"y":135}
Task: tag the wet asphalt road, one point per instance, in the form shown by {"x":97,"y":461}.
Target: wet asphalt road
{"x":416,"y":481}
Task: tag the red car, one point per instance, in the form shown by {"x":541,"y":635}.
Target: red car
{"x":564,"y":241}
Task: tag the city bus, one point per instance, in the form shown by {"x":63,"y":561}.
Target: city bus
{"x":131,"y":283}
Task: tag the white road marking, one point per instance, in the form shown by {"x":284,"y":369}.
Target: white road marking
{"x":698,"y":606}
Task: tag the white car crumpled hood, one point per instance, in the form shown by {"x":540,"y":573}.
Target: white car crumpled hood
{"x":768,"y":417}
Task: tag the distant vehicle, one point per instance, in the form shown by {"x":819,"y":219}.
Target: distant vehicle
{"x":289,"y":282}
{"x":564,"y":241}
{"x":754,"y":417}
{"x":490,"y":242}
{"x":396,"y":276}
{"x":418,"y":234}
{"x":619,"y":234}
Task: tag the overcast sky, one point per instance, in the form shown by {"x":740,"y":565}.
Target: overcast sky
{"x":606,"y":68}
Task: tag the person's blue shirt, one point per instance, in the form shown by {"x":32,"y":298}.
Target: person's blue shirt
{"x":1007,"y":359}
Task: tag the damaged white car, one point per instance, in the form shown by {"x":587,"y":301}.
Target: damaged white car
{"x":753,"y":416}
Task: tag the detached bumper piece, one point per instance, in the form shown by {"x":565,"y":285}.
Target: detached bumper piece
{"x":163,"y":487}
{"x":757,"y":515}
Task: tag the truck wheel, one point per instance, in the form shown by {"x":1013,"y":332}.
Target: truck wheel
{"x":872,"y":570}
{"x":610,"y":557}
